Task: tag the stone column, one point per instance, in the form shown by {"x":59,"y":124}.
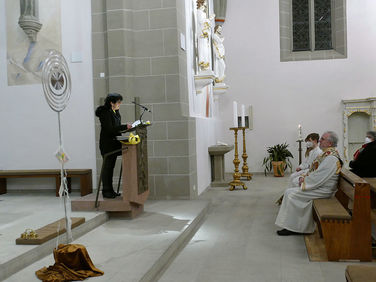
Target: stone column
{"x":136,"y":45}
{"x":29,"y":18}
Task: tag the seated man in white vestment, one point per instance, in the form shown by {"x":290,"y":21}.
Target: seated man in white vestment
{"x":295,"y":214}
{"x":313,"y":151}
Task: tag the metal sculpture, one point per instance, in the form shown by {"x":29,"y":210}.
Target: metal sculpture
{"x":57,"y":89}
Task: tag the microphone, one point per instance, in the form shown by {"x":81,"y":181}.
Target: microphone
{"x":142,"y":106}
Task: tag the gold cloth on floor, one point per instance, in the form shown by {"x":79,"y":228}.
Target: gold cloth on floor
{"x":72,"y":263}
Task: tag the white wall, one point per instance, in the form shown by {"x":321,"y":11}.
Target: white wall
{"x":206,"y":136}
{"x":28,"y":127}
{"x":286,"y":94}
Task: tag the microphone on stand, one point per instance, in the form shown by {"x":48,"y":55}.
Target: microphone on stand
{"x":142,"y":106}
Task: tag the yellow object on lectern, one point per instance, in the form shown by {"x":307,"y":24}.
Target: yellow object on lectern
{"x":134,"y":139}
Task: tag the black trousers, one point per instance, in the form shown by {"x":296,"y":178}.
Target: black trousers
{"x":108,"y":172}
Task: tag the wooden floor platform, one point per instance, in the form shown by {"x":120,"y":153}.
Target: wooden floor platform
{"x":50,"y":231}
{"x":316,"y":247}
{"x":116,"y":206}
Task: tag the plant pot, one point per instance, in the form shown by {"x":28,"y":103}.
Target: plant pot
{"x":279,"y":168}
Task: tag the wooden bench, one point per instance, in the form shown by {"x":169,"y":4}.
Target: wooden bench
{"x":360,"y":273}
{"x":85,"y":175}
{"x":372,"y":182}
{"x":344,"y":221}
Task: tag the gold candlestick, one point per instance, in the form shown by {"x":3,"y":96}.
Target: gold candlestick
{"x":245,"y":172}
{"x":236,"y":175}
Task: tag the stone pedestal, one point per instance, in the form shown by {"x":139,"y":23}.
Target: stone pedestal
{"x":220,"y":88}
{"x":203,"y":79}
{"x":217,"y":153}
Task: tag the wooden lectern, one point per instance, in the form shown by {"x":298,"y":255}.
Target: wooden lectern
{"x":135,"y":182}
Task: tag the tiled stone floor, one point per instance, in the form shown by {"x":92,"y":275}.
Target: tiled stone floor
{"x":237,"y":242}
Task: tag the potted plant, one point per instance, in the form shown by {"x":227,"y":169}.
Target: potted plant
{"x":278,"y":159}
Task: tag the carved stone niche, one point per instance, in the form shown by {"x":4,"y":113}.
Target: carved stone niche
{"x":359,"y":116}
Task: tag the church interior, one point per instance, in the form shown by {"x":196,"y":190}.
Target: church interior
{"x":206,"y":91}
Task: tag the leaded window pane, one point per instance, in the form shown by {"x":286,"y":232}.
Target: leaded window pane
{"x":323,"y":25}
{"x":300,"y":25}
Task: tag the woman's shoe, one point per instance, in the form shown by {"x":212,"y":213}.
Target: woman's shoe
{"x":285,"y":232}
{"x":109,"y":194}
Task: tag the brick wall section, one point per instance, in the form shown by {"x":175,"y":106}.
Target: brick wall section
{"x":135,"y":43}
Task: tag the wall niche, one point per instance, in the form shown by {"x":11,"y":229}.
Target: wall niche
{"x":359,"y":116}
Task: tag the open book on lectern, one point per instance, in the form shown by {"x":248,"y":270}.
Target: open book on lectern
{"x":135,"y":125}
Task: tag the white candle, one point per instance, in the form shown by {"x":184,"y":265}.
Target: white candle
{"x":243,"y":116}
{"x":299,"y":132}
{"x":250,"y":117}
{"x":235,"y":110}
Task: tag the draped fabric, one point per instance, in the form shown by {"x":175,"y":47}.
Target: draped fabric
{"x":72,"y":263}
{"x":220,"y":7}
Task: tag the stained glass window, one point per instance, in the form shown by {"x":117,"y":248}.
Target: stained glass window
{"x":323,"y":25}
{"x":300,"y":25}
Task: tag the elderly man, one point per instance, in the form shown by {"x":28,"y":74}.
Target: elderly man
{"x":295,"y":214}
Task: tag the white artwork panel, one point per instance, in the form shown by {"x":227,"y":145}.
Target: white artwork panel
{"x":24,"y":58}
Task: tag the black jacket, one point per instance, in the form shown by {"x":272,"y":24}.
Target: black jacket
{"x":365,"y":163}
{"x":110,"y":128}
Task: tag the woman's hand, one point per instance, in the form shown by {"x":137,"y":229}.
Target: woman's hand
{"x":129,"y":125}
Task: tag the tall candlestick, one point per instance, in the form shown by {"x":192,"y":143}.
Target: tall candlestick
{"x":243,"y":116}
{"x":250,"y":117}
{"x":235,"y":109}
{"x":299,"y":132}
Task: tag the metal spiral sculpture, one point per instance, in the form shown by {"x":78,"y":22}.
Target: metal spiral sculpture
{"x":57,"y":89}
{"x":56,"y":81}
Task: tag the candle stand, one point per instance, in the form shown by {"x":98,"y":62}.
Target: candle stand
{"x":245,"y":172}
{"x":236,"y":175}
{"x":300,"y":150}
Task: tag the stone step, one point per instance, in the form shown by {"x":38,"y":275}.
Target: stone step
{"x":139,"y":249}
{"x":38,"y":252}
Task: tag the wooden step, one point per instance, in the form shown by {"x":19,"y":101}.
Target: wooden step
{"x":50,"y":231}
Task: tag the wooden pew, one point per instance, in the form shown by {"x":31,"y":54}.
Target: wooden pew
{"x":360,"y":273}
{"x":372,"y":182}
{"x":85,"y":175}
{"x":344,"y":221}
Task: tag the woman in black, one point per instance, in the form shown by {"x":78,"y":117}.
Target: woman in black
{"x":111,"y":127}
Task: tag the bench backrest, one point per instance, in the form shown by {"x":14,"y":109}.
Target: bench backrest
{"x":351,"y":189}
{"x":354,"y":194}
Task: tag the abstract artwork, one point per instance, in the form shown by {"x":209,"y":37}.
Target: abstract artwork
{"x":33,"y":28}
